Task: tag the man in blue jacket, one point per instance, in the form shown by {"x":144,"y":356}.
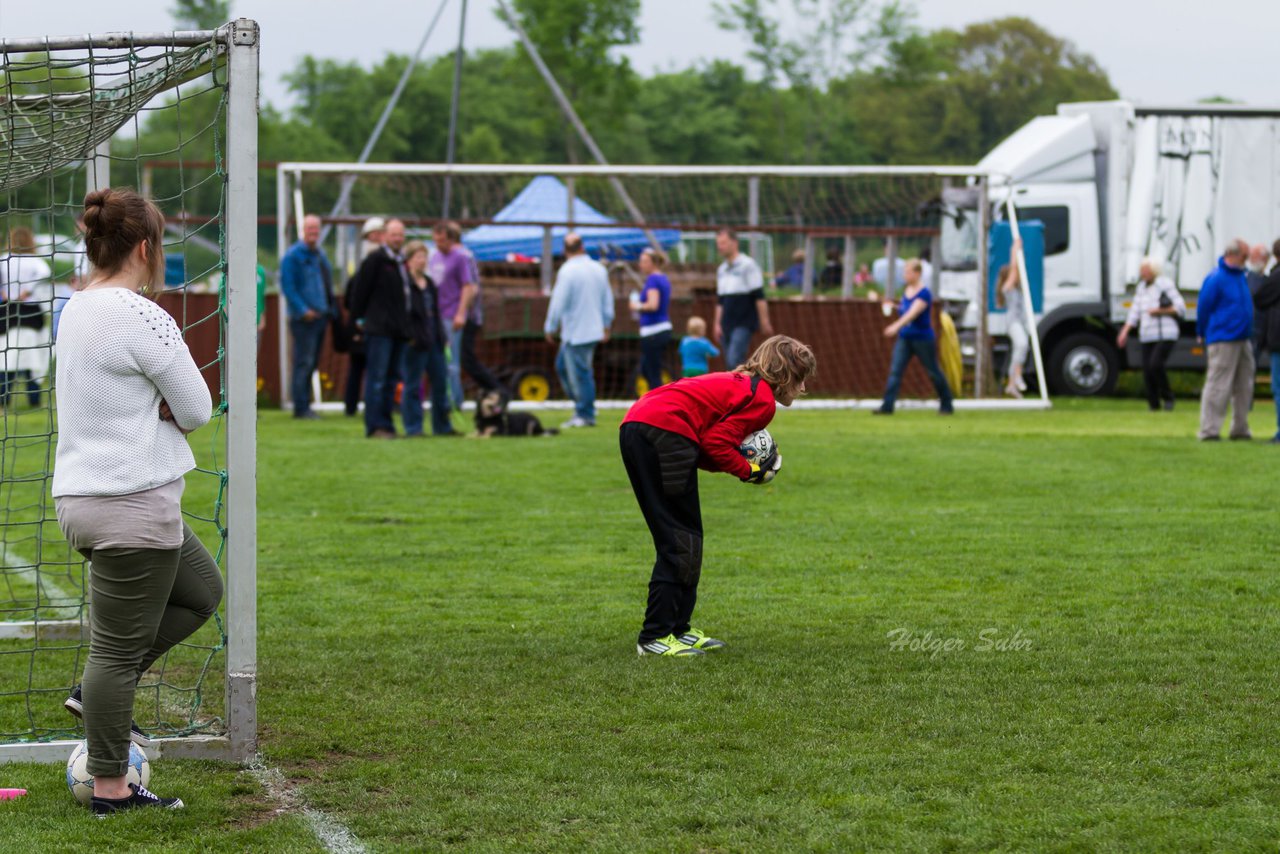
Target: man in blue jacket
{"x":1224,"y":323}
{"x":306,"y":280}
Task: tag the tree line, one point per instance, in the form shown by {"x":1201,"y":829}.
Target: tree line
{"x":860,"y":82}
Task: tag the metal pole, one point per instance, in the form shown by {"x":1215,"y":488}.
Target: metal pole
{"x":636,"y":171}
{"x":451,"y":148}
{"x":547,"y":260}
{"x":806,"y":278}
{"x":344,"y":198}
{"x":1026,"y":300}
{"x":935,"y":264}
{"x":571,"y":192}
{"x":753,"y":213}
{"x":891,"y":277}
{"x":572,"y":115}
{"x":99,"y":172}
{"x":282,"y":246}
{"x":242,"y":390}
{"x":982,"y":349}
{"x":850,"y":261}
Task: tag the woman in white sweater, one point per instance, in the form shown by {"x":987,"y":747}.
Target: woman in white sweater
{"x":128,"y":392}
{"x":1157,"y":306}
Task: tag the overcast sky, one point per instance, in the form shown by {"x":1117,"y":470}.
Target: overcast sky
{"x":1175,"y":51}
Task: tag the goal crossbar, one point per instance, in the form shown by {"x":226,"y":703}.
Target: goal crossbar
{"x":636,"y":171}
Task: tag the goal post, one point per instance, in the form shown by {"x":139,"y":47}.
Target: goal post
{"x":84,"y":112}
{"x":841,"y":219}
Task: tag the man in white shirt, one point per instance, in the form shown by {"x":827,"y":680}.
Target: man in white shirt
{"x":581,"y":310}
{"x":740,"y":307}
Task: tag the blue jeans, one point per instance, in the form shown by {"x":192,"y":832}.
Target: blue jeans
{"x":416,"y":362}
{"x":1275,"y":387}
{"x":455,"y":367}
{"x":737,"y":340}
{"x":383,"y":358}
{"x":573,"y":365}
{"x":927,"y":352}
{"x":308,"y":337}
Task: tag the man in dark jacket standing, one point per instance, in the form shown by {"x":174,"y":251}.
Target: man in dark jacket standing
{"x":380,"y":305}
{"x":1224,"y":323}
{"x":1266,"y":300}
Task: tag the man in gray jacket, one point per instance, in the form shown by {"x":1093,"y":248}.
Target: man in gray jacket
{"x":581,"y":310}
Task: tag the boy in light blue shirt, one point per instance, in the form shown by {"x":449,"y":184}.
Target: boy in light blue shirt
{"x":695,"y":349}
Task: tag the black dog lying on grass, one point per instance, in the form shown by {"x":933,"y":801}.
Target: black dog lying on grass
{"x":493,"y":419}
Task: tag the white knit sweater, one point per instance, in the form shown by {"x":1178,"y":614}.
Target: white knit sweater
{"x":120,"y":355}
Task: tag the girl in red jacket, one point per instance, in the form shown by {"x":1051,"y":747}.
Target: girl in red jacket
{"x":670,"y":433}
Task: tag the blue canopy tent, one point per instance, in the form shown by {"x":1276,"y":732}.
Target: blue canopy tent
{"x":546,"y":199}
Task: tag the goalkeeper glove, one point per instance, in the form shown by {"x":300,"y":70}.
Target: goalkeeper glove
{"x":767,"y":472}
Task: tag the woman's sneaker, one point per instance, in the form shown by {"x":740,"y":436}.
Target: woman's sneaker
{"x":140,"y":797}
{"x":75,"y":705}
{"x":670,"y":645}
{"x":698,"y":639}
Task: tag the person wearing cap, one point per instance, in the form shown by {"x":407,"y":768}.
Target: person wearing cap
{"x":372,"y":234}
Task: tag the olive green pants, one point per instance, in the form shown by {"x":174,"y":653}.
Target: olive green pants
{"x":141,"y":603}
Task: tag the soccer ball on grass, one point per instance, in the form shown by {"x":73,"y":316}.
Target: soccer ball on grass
{"x":80,"y":781}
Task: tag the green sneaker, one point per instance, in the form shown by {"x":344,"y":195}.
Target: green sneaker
{"x":670,"y":645}
{"x":698,"y":639}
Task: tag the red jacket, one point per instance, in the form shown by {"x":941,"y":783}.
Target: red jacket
{"x":716,"y":411}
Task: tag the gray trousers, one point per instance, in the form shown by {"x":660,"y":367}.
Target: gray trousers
{"x":1228,"y":379}
{"x":141,"y":603}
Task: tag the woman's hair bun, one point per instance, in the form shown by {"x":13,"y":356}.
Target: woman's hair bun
{"x":116,"y":219}
{"x":94,"y":204}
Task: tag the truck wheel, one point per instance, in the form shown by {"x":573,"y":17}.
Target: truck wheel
{"x":1083,"y":365}
{"x":531,"y":384}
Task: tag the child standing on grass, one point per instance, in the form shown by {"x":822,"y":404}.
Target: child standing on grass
{"x":695,"y":349}
{"x":671,"y":432}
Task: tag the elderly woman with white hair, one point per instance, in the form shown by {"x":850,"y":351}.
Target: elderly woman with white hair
{"x":1156,"y":309}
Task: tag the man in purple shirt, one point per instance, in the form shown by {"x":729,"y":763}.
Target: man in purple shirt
{"x":454,"y":273}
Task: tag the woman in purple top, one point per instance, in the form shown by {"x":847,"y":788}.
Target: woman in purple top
{"x":457,"y":278}
{"x":655,"y":316}
{"x":914,"y":329}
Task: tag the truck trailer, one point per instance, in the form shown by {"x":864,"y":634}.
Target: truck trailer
{"x":1110,"y":184}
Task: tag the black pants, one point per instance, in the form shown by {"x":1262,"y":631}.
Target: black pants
{"x":9,"y":385}
{"x":471,"y":362}
{"x":663,"y":468}
{"x":355,"y":381}
{"x":1154,"y":355}
{"x":652,"y":349}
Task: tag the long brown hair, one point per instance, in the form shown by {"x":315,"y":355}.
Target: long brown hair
{"x":782,"y":362}
{"x":21,"y":241}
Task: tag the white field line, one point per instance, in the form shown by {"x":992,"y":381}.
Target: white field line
{"x":26,"y":569}
{"x":333,"y":835}
{"x":993,"y":404}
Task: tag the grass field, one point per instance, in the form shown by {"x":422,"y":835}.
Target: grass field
{"x":448,"y":662}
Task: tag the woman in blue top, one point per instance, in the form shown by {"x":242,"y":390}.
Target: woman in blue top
{"x":655,"y":316}
{"x":914,"y":328}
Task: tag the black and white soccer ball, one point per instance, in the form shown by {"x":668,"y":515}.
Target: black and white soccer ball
{"x":758,"y":448}
{"x":80,"y":781}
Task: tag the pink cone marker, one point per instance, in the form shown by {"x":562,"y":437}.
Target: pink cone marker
{"x":11,"y":794}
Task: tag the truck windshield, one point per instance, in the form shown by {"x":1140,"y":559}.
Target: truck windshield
{"x":960,"y":239}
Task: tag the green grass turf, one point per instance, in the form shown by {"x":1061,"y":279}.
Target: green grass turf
{"x":448,"y":627}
